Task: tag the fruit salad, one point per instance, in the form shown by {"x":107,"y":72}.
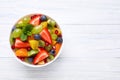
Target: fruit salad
{"x":36,"y":39}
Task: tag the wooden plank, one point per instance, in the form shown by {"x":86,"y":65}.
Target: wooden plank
{"x":63,"y":68}
{"x":64,"y":12}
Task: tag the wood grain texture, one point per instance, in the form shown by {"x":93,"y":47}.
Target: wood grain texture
{"x":91,"y":30}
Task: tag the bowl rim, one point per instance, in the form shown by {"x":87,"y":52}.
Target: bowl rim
{"x":38,"y":66}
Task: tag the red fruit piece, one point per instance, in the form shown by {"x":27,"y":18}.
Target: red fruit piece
{"x":56,"y":31}
{"x":35,"y":20}
{"x":46,"y":44}
{"x":20,"y":44}
{"x":35,"y":16}
{"x":29,"y":48}
{"x":13,"y":47}
{"x":40,"y":56}
{"x":46,"y":35}
{"x":53,"y":47}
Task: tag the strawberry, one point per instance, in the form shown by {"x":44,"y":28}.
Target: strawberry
{"x":20,"y":44}
{"x":40,"y":56}
{"x":35,"y":20}
{"x":46,"y":35}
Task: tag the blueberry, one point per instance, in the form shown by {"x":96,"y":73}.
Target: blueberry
{"x":30,"y":60}
{"x":43,"y":18}
{"x":52,"y":52}
{"x":37,"y":36}
{"x":59,"y":40}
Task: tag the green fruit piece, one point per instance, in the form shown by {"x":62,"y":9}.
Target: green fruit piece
{"x":32,"y":52}
{"x":51,"y":32}
{"x":34,"y":44}
{"x":27,"y":29}
{"x":29,"y":33}
{"x":37,"y":29}
{"x":54,"y":36}
{"x":20,"y":24}
{"x":26,"y":19}
{"x":23,"y":22}
{"x":48,"y":48}
{"x":16,"y":33}
{"x":26,"y":60}
{"x":51,"y":57}
{"x":23,"y":37}
{"x":51,"y":24}
{"x":11,"y":40}
{"x":41,"y":43}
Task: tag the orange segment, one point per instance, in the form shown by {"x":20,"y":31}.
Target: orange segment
{"x":54,"y":42}
{"x":21,"y":52}
{"x":57,"y":47}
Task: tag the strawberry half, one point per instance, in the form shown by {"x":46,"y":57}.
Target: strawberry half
{"x":35,"y":20}
{"x":46,"y":35}
{"x":40,"y":56}
{"x":20,"y":44}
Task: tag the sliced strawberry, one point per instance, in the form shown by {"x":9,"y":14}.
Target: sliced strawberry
{"x":40,"y":56}
{"x":35,"y":20}
{"x":35,"y":16}
{"x":46,"y":35}
{"x":20,"y":44}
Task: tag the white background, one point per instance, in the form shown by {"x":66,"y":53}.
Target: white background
{"x":91,"y":30}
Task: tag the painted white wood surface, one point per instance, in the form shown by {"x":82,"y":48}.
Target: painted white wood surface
{"x":91,"y":30}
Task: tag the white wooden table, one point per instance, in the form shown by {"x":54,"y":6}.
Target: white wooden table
{"x":91,"y":31}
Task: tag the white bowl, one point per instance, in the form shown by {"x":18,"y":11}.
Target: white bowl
{"x":35,"y":66}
